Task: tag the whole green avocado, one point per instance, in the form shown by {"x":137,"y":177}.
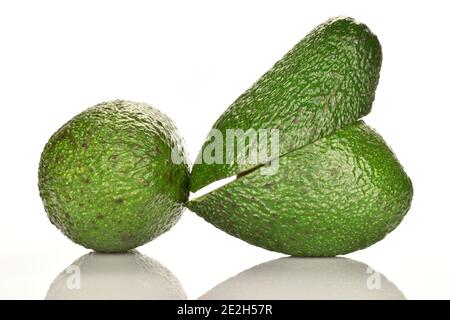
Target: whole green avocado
{"x":337,"y":187}
{"x":115,"y":176}
{"x":339,"y":194}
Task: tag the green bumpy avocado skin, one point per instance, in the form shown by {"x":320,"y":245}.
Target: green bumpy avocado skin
{"x":326,"y":81}
{"x":339,"y":194}
{"x":107,"y":179}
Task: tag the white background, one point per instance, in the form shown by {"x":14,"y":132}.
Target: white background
{"x":191,"y":59}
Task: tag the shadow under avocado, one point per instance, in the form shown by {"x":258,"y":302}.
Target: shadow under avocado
{"x":128,"y":275}
{"x":307,"y":278}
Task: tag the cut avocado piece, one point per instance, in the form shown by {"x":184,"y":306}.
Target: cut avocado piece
{"x":336,"y":195}
{"x":107,"y":177}
{"x":326,"y":81}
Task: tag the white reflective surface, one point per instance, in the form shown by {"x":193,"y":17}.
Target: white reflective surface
{"x":115,"y":276}
{"x":307,"y":278}
{"x":192,"y":59}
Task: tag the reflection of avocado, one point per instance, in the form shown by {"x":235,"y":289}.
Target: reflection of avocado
{"x":130,"y":275}
{"x":337,"y":187}
{"x":326,"y":81}
{"x":107,"y":178}
{"x":307,"y":279}
{"x":339,"y":194}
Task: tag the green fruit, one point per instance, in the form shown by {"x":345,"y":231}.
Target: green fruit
{"x":326,"y":81}
{"x":337,"y":187}
{"x":107,"y":178}
{"x":336,"y":195}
